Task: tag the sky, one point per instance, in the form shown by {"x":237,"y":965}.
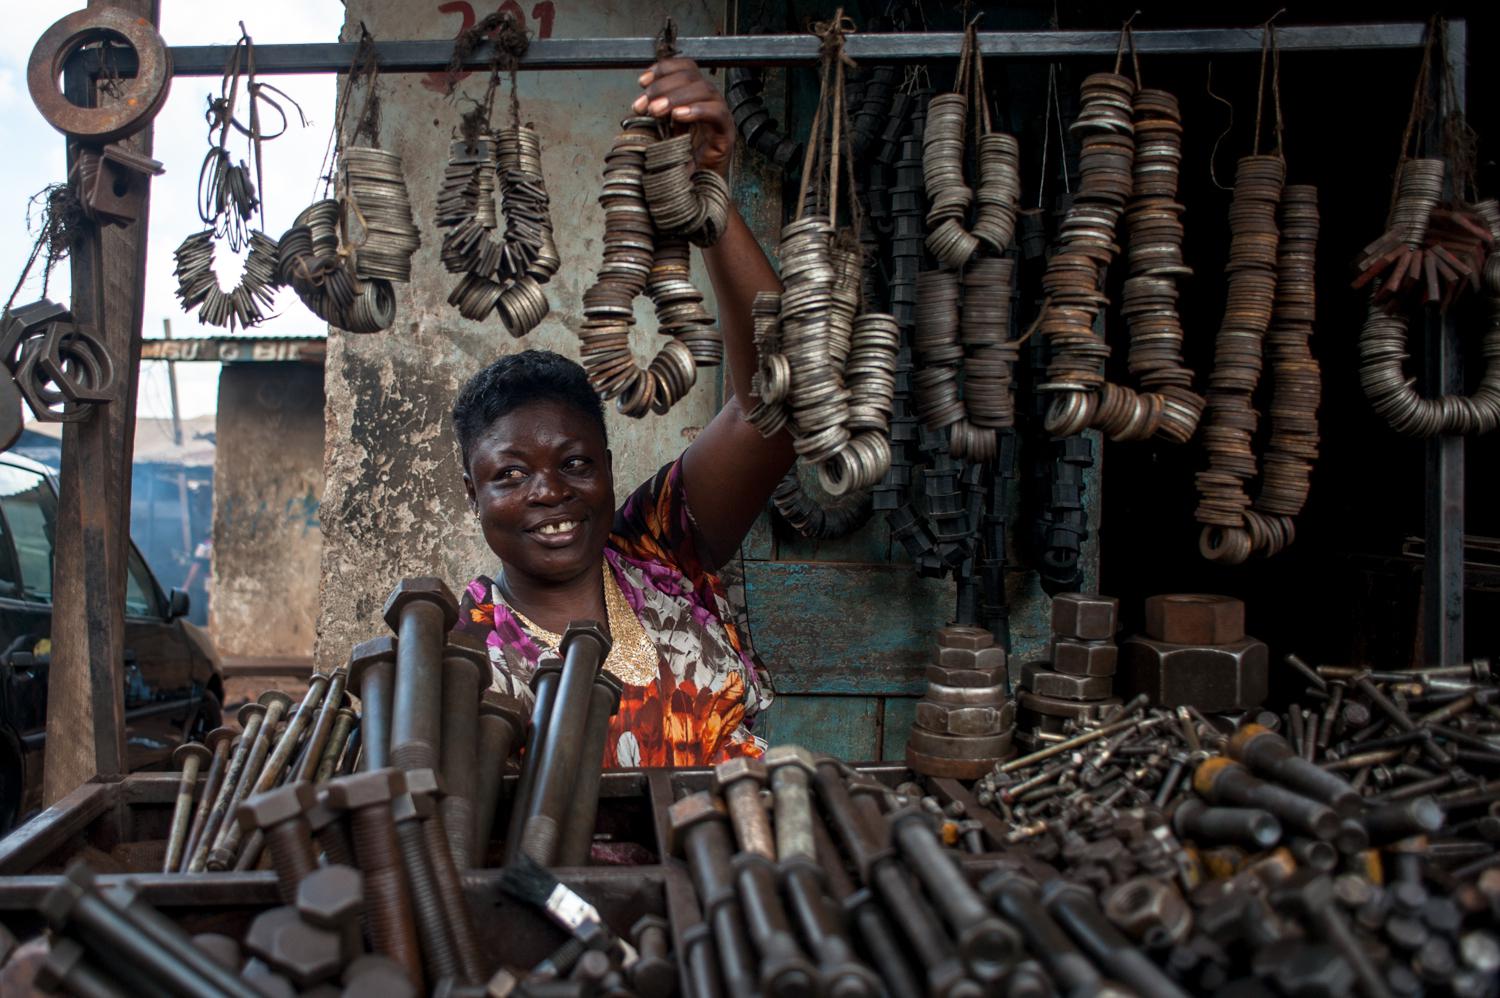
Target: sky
{"x":36,"y":157}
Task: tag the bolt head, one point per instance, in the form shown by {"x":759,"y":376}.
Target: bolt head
{"x":18,"y":324}
{"x":1083,"y":615}
{"x":584,"y":629}
{"x":424,"y":783}
{"x":424,"y":587}
{"x":378,"y":786}
{"x":731,"y":771}
{"x":248,"y":711}
{"x":377,"y":975}
{"x":190,"y":750}
{"x":331,"y":896}
{"x":790,"y":755}
{"x":272,"y":807}
{"x":305,"y":953}
{"x":1215,"y":680}
{"x":220,"y":735}
{"x":367,"y":654}
{"x":967,"y":678}
{"x":269,"y":697}
{"x":990,"y":659}
{"x":694,"y":809}
{"x":412,"y":807}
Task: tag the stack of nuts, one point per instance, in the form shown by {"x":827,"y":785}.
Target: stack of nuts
{"x":1195,"y":654}
{"x":1077,"y":683}
{"x":966,"y":719}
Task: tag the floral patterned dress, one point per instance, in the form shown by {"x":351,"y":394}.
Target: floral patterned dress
{"x":709,"y":685}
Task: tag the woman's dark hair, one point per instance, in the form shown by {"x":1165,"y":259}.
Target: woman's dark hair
{"x":516,"y":380}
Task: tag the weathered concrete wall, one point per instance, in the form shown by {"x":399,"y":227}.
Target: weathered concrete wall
{"x":268,"y":482}
{"x":394,"y":502}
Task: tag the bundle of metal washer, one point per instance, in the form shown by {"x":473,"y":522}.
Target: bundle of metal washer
{"x":377,"y":213}
{"x":1213,"y":855}
{"x":505,"y":274}
{"x":310,"y":263}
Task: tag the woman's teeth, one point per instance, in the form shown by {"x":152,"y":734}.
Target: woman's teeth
{"x":557,"y":528}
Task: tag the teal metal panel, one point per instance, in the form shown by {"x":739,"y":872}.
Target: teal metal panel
{"x":847,"y":727}
{"x":900,"y":713}
{"x":856,"y":629}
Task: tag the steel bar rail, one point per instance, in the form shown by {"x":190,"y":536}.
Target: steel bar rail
{"x":796,"y":50}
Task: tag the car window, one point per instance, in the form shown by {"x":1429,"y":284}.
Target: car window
{"x":31,"y":514}
{"x":140,"y":593}
{"x":10,"y":579}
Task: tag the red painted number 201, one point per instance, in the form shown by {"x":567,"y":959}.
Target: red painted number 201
{"x":544,"y":13}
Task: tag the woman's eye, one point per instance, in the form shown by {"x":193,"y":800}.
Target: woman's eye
{"x":576,"y":463}
{"x":511,"y":475}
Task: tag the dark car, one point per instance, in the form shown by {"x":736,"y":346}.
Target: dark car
{"x":173,"y":684}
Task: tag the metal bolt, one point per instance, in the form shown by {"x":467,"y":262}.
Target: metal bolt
{"x":67,"y":971}
{"x":790,"y":769}
{"x":653,"y":974}
{"x":583,"y":806}
{"x":466,"y":672}
{"x":282,"y":815}
{"x":1073,"y":907}
{"x":219,"y":741}
{"x":420,"y":611}
{"x":450,"y":889}
{"x":343,"y":724}
{"x":1015,"y":899}
{"x":251,"y":717}
{"x":438,"y":953}
{"x":740,"y":781}
{"x":1268,"y":754}
{"x":333,"y":898}
{"x":367,"y":799}
{"x":1250,"y":827}
{"x":322,"y":727}
{"x":226,"y":844}
{"x":544,"y":682}
{"x":502,"y":730}
{"x":189,"y":756}
{"x":784,"y":970}
{"x":372,"y":671}
{"x":1222,"y":780}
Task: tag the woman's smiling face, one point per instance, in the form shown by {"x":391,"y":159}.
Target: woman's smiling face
{"x":541,"y":480}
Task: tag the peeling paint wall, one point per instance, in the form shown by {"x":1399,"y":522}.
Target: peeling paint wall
{"x":394,"y":502}
{"x":268,"y":484}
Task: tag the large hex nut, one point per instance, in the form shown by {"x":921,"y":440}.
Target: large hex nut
{"x":1084,"y":658}
{"x":272,"y":807}
{"x":305,"y":953}
{"x":77,"y":363}
{"x":331,"y":896}
{"x":982,"y":659}
{"x":424,"y":783}
{"x":47,"y":403}
{"x":1080,"y":710}
{"x":946,"y":720}
{"x":20,"y":324}
{"x":422,"y":587}
{"x":1081,"y":615}
{"x":1214,"y":679}
{"x":965,"y":677}
{"x":966,"y":696}
{"x":1195,"y":619}
{"x":959,"y":636}
{"x":1036,"y":677}
{"x":1149,"y":910}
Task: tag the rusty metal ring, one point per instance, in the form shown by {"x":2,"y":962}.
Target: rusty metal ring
{"x":78,"y":364}
{"x":142,"y":96}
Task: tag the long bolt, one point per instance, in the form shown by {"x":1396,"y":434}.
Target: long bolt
{"x":155,"y":945}
{"x":1313,"y":896}
{"x":1140,"y":724}
{"x":420,"y":611}
{"x":251,"y":717}
{"x":1073,"y":907}
{"x":583,"y":807}
{"x":784,"y":969}
{"x":1245,"y":826}
{"x":1223,"y":781}
{"x":883,"y":943}
{"x":450,"y":889}
{"x":838,"y":966}
{"x":439,"y":955}
{"x":653,"y":974}
{"x":326,"y":823}
{"x":702,"y":962}
{"x":698,"y":822}
{"x":1268,"y":754}
{"x":502,"y":730}
{"x":221,"y":855}
{"x":985,"y":942}
{"x":1399,"y":717}
{"x":1045,"y":939}
{"x":1390,"y":822}
{"x":281,"y":814}
{"x":276,"y":762}
{"x":338,"y":739}
{"x":584,"y":646}
{"x":367,"y":799}
{"x":791,"y":769}
{"x":544,"y":682}
{"x":190,"y":756}
{"x":372,"y":671}
{"x":466,"y":672}
{"x":322,"y":728}
{"x":740,"y":782}
{"x":68,"y":971}
{"x":220,"y":740}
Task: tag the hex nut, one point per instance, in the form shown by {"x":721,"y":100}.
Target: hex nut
{"x":1058,"y":708}
{"x":331,"y":896}
{"x":377,"y":975}
{"x":224,"y":950}
{"x":966,"y":696}
{"x":1214,"y":679}
{"x":305,"y":953}
{"x":960,"y":747}
{"x":91,"y":376}
{"x":1077,"y":657}
{"x":965,"y":677}
{"x":945,"y":720}
{"x":1084,"y":616}
{"x":1036,"y":677}
{"x":378,"y":786}
{"x":22,"y":323}
{"x":1149,"y":910}
{"x":983,"y":659}
{"x":421,"y":587}
{"x":1195,"y":619}
{"x":739,"y":768}
{"x":272,"y":807}
{"x":790,"y":755}
{"x":959,"y":636}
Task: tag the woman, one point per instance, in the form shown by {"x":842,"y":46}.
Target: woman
{"x":538,"y":473}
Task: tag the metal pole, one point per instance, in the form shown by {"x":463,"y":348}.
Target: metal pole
{"x":1443,"y":564}
{"x":182,"y":497}
{"x":795,"y":50}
